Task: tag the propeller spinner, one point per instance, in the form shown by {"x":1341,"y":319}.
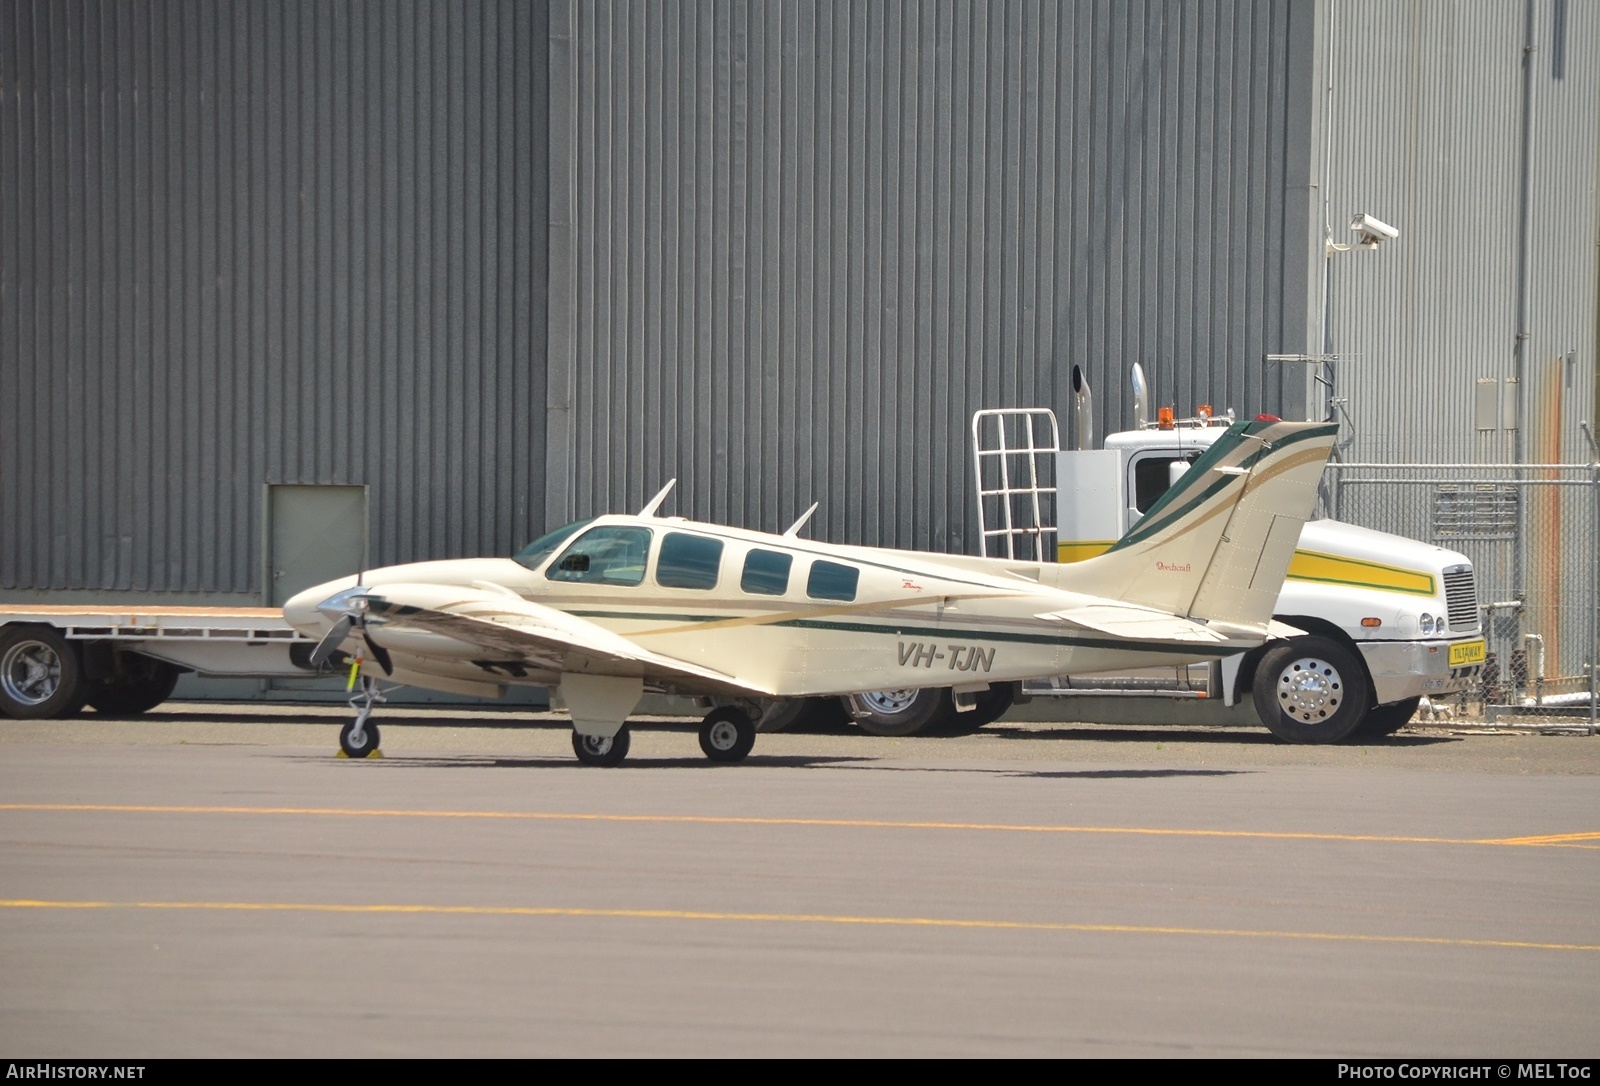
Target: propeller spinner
{"x":351,"y":607}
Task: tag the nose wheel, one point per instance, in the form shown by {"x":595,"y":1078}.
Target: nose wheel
{"x":726,"y":735}
{"x":358,"y":739}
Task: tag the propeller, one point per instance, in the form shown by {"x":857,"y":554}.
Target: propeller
{"x":332,"y":640}
{"x":352,"y":601}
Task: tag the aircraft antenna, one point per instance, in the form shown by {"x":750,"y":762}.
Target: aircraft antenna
{"x":794,"y":529}
{"x":654,"y":503}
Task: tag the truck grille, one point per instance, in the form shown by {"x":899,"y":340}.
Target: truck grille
{"x":1461,"y":596}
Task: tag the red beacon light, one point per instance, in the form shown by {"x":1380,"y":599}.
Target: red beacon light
{"x":1164,"y":418}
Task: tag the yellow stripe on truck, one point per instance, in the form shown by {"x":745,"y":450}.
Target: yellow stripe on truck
{"x":1078,"y":550}
{"x":1332,"y":569}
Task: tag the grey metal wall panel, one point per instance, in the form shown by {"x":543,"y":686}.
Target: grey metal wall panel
{"x":808,"y":240}
{"x":1424,"y":129}
{"x":261,"y":243}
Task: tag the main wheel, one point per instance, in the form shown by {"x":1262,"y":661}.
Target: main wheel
{"x":600,"y":750}
{"x":1310,"y":690}
{"x":41,"y":675}
{"x":1388,"y":719}
{"x":905,"y":712}
{"x":726,"y":735}
{"x":134,"y":694}
{"x":367,"y":744}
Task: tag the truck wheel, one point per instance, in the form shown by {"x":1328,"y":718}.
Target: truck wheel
{"x":134,"y":694}
{"x":1388,"y":719}
{"x":1310,"y":690}
{"x":803,"y":714}
{"x":41,"y":676}
{"x":992,"y":705}
{"x":904,"y":712}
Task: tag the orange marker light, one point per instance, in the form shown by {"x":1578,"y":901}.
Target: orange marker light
{"x":1371,"y":622}
{"x":1204,"y":411}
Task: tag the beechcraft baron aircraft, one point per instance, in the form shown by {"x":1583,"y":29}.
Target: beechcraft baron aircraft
{"x":607,"y":609}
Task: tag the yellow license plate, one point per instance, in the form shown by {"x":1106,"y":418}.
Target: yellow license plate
{"x":1466,"y":652}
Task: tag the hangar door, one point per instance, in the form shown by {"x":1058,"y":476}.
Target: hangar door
{"x":314,"y":534}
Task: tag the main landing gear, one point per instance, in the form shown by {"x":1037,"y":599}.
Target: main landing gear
{"x":726,"y":735}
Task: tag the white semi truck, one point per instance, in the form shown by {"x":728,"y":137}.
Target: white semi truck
{"x":1383,"y":620}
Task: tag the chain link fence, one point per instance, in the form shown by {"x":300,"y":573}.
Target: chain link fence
{"x":1532,"y":534}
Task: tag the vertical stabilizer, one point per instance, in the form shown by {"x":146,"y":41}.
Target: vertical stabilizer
{"x":1217,"y":545}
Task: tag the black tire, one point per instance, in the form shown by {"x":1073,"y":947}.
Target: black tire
{"x":1388,"y":719}
{"x":598,"y":750}
{"x":904,"y":712}
{"x":727,"y":735}
{"x":992,"y":705}
{"x":803,"y":714}
{"x":129,"y":695}
{"x":370,"y":739}
{"x":41,"y":674}
{"x":1310,"y":690}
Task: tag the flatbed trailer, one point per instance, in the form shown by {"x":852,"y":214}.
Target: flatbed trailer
{"x":126,"y":659}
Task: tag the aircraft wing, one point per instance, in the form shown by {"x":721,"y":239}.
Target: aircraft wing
{"x":1136,"y":623}
{"x":507,"y":627}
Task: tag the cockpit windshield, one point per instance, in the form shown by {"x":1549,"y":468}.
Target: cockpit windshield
{"x":535,"y":553}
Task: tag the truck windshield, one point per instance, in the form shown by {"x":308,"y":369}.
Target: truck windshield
{"x":534,"y":554}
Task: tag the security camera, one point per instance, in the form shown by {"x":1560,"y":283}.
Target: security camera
{"x":1372,"y":230}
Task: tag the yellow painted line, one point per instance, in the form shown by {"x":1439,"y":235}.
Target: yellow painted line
{"x":1549,"y":839}
{"x":788,"y":918}
{"x":1568,"y":839}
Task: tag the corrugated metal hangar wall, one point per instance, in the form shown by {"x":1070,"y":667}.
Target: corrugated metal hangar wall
{"x":794,"y":246}
{"x":256,"y":243}
{"x":505,"y":263}
{"x":1430,"y":116}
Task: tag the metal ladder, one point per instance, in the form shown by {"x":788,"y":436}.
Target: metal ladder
{"x":1016,"y":492}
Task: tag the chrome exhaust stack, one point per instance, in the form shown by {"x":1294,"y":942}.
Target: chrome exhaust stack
{"x":1141,"y":398}
{"x":1082,"y":411}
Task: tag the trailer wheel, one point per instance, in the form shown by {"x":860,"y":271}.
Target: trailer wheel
{"x":41,"y":675}
{"x":904,"y":712}
{"x":1310,"y":690}
{"x":1388,"y":719}
{"x":134,"y":694}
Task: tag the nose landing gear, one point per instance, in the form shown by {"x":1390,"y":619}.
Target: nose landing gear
{"x":358,"y":739}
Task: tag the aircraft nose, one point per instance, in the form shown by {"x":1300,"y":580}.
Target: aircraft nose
{"x":301,"y":611}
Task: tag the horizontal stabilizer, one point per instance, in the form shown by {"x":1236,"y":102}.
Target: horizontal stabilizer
{"x":1135,"y":622}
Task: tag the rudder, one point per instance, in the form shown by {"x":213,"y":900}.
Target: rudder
{"x":1216,"y":546}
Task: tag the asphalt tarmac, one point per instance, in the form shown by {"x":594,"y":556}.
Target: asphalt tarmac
{"x":212,"y":881}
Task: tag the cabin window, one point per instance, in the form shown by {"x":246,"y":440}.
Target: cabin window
{"x":688,"y":561}
{"x":605,"y":555}
{"x":831,"y":581}
{"x":766,"y":573}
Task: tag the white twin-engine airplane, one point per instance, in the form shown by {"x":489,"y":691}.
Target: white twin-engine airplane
{"x":607,"y":609}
